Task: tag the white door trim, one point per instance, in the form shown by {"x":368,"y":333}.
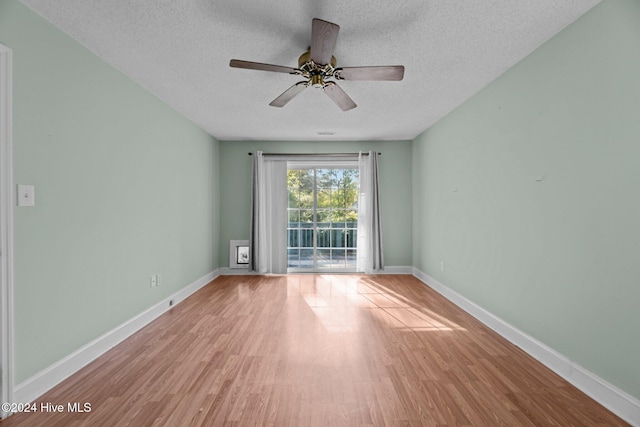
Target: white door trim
{"x":6,"y":227}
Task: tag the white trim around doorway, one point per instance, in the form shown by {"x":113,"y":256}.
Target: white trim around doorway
{"x":6,"y":227}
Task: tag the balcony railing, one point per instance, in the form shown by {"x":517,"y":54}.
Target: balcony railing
{"x":335,"y":245}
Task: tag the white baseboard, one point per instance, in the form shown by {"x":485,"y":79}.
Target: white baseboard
{"x":37,"y":385}
{"x":226,"y":271}
{"x":392,"y":269}
{"x":397,"y":269}
{"x":617,"y":401}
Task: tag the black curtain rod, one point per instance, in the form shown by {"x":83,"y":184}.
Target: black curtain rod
{"x":314,"y":154}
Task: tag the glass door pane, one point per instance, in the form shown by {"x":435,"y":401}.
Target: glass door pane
{"x":323,"y":219}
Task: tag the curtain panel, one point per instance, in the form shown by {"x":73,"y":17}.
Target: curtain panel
{"x":370,"y":247}
{"x":268,"y":228}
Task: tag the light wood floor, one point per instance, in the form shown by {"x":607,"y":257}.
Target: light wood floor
{"x":305,"y":350}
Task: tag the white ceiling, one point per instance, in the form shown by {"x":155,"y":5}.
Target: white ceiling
{"x":180,"y":51}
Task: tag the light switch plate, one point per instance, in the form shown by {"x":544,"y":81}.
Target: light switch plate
{"x":26,"y":195}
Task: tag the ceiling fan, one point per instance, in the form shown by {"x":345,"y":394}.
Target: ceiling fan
{"x":318,"y":64}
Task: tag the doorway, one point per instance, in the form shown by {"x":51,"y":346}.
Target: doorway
{"x":322,"y":218}
{"x":6,"y":228}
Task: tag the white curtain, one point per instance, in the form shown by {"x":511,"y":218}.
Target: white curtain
{"x":268,"y":229}
{"x":370,"y":250}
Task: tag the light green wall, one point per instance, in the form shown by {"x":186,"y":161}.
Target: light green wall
{"x":395,"y":189}
{"x":529,"y":194}
{"x":125,"y":188}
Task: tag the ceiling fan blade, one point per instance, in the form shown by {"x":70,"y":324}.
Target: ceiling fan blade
{"x":323,"y":40}
{"x":236,"y":63}
{"x":339,"y":96}
{"x":387,"y":72}
{"x":288,"y":94}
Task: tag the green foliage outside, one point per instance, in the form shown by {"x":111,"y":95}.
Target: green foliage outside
{"x":337,"y":195}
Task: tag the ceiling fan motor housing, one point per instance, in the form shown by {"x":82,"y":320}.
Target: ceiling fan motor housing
{"x":316,"y":73}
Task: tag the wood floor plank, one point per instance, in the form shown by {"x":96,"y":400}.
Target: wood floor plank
{"x":317,"y":350}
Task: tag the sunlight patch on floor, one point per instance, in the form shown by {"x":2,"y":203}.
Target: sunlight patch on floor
{"x":337,"y":303}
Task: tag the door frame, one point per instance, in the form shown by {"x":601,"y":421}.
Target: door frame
{"x":6,"y":227}
{"x":315,"y":165}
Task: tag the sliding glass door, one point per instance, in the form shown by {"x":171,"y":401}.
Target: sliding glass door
{"x":323,"y":219}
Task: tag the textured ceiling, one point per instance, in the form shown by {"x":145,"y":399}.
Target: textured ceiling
{"x":180,"y":51}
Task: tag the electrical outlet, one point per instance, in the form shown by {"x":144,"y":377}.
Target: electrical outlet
{"x":441,"y":265}
{"x":158,"y":279}
{"x":154,"y":281}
